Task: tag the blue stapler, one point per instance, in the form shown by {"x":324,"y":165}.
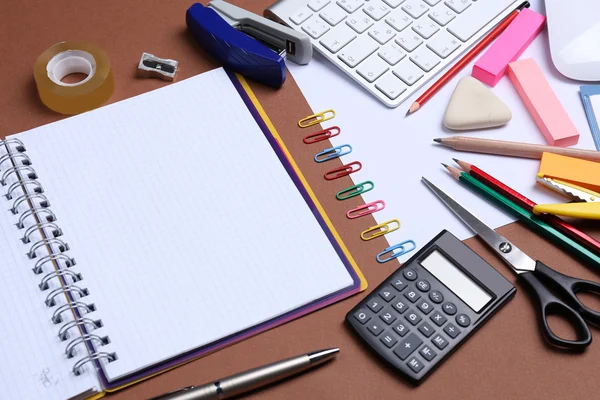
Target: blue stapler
{"x":246,"y":43}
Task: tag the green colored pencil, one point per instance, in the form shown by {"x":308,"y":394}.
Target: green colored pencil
{"x":526,"y":217}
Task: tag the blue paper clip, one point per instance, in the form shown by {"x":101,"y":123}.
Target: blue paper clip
{"x":334,"y":152}
{"x":392,"y":249}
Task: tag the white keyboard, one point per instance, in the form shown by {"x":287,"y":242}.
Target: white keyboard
{"x":392,"y":47}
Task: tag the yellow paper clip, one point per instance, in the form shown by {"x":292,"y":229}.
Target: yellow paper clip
{"x":380,"y":230}
{"x":316,"y":118}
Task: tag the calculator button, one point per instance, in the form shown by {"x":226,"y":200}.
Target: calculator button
{"x":436,"y":297}
{"x":412,"y":296}
{"x":389,"y":340}
{"x":449,"y":308}
{"x":399,"y":284}
{"x":388,"y":316}
{"x":423,"y":286}
{"x":387,"y":294}
{"x":439,"y":341}
{"x":375,"y":304}
{"x":413,"y":318}
{"x":427,"y":353}
{"x":375,"y":327}
{"x":463,"y":320}
{"x":410,"y":274}
{"x":401,"y":329}
{"x":415,"y":364}
{"x":451,"y":330}
{"x":408,"y":346}
{"x":438,"y":318}
{"x":362,"y":316}
{"x":425,"y":307}
{"x":400,"y":307}
{"x":426,"y":329}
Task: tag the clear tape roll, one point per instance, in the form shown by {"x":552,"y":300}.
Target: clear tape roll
{"x":66,"y":58}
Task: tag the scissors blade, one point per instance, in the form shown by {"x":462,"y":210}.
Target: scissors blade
{"x":510,"y":253}
{"x":575,"y":192}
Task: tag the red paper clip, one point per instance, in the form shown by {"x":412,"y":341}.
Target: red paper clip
{"x":343,"y":170}
{"x":366,"y":209}
{"x":321,"y":135}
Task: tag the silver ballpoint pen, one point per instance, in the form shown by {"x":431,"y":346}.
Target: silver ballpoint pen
{"x":252,"y":379}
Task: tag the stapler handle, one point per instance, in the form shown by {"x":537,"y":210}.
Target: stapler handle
{"x":296,"y":44}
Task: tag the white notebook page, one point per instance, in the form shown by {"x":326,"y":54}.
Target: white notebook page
{"x":181,"y":216}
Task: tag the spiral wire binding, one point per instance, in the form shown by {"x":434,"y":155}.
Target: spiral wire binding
{"x":16,"y":162}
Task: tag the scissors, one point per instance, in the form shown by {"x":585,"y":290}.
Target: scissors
{"x":538,"y":278}
{"x":586,"y":203}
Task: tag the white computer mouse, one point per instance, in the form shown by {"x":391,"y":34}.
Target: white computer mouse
{"x":574,"y":33}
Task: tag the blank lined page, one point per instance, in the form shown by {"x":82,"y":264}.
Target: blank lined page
{"x":179,"y":213}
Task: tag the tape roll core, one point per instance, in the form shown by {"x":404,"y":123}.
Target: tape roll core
{"x":67,"y":58}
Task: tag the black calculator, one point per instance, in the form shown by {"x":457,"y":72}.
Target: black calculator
{"x":426,"y":309}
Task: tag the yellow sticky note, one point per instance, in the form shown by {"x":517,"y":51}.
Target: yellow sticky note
{"x":573,"y":170}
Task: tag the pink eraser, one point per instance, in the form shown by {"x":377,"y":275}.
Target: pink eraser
{"x":491,"y":67}
{"x":542,"y":103}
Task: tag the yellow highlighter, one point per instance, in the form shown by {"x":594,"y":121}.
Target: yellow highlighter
{"x":586,"y":203}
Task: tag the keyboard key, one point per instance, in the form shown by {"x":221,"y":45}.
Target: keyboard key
{"x":443,"y":44}
{"x":382,"y":32}
{"x":451,"y":330}
{"x":301,"y":15}
{"x":475,"y":18}
{"x":412,"y":296}
{"x":315,"y":27}
{"x":375,"y":304}
{"x":387,"y":294}
{"x":463,"y":320}
{"x":389,"y":340}
{"x":427,"y":353}
{"x":425,"y":307}
{"x":398,"y":305}
{"x":425,"y":59}
{"x":439,"y":341}
{"x":388,"y":316}
{"x":442,"y":15}
{"x":375,"y":327}
{"x":393,"y":3}
{"x":436,"y":297}
{"x":399,"y":20}
{"x":413,"y":318}
{"x":409,"y":274}
{"x":398,"y":283}
{"x":438,"y":318}
{"x":357,"y":51}
{"x":317,"y":5}
{"x":425,"y":27}
{"x":362,"y":316}
{"x":423,"y":285}
{"x":409,"y":40}
{"x":415,"y":364}
{"x":408,"y":72}
{"x":392,"y":54}
{"x":415,"y":8}
{"x":338,"y":38}
{"x":333,"y":14}
{"x":449,"y":308}
{"x":350,"y":5}
{"x":426,"y":329}
{"x":458,"y":5}
{"x":408,"y":346}
{"x":359,"y":23}
{"x":372,"y":69}
{"x":401,"y":329}
{"x":376,"y":9}
{"x":432,"y":2}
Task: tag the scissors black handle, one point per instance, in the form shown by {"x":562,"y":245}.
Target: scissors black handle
{"x":576,"y":312}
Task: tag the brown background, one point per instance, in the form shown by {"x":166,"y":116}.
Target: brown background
{"x":505,"y":359}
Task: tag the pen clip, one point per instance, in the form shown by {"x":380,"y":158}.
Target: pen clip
{"x":168,"y":394}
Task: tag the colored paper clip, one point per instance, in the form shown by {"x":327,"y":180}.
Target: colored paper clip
{"x":316,"y":118}
{"x":355,"y":190}
{"x":333,"y":152}
{"x":322,"y":135}
{"x":343,"y":170}
{"x":395,"y":254}
{"x":380,"y":230}
{"x":366,"y":209}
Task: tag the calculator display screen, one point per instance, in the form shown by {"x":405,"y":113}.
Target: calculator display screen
{"x":456,"y":280}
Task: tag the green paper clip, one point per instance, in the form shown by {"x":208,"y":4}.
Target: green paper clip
{"x":355,"y":190}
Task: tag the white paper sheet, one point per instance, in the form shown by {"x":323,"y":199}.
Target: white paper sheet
{"x":396,"y":150}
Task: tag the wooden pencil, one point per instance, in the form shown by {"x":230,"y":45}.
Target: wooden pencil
{"x":559,"y":224}
{"x":513,"y":149}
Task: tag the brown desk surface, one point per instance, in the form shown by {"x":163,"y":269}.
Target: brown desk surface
{"x":506,"y":359}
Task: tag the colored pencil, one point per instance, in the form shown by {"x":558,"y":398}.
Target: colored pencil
{"x":483,"y":43}
{"x":522,"y":201}
{"x":513,"y":149}
{"x":531,"y":220}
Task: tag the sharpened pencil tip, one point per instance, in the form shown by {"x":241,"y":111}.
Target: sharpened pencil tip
{"x":438,"y":140}
{"x":446,"y":165}
{"x":408,"y":113}
{"x":456,"y":160}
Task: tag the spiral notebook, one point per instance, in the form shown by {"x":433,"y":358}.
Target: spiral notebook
{"x":150,"y":232}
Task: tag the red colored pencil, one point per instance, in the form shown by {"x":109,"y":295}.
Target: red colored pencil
{"x":559,"y":224}
{"x":465,"y":60}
